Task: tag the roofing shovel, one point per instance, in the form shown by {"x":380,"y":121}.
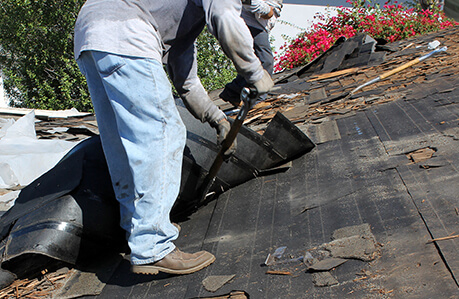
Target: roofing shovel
{"x":248,"y":96}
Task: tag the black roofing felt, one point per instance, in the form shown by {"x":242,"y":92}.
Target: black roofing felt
{"x":360,"y":175}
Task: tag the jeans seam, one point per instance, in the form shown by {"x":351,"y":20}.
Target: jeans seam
{"x":163,"y":127}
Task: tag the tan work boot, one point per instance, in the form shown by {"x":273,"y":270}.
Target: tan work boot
{"x":177,"y":262}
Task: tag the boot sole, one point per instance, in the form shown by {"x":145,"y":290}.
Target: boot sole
{"x":153,"y":270}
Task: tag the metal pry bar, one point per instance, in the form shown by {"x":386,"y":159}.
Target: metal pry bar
{"x":247,"y":97}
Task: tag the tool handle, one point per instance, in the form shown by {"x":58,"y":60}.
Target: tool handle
{"x":411,"y":63}
{"x":226,"y":144}
{"x":246,"y":95}
{"x":400,"y":68}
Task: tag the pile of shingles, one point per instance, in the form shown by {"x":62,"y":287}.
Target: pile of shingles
{"x":310,"y":98}
{"x":70,"y":129}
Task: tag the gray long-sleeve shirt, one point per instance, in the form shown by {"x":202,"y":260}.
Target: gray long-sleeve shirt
{"x":144,"y":28}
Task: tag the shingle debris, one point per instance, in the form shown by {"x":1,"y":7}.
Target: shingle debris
{"x":312,"y":95}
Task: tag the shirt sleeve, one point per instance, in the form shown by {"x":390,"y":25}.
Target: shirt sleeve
{"x":223,"y":19}
{"x":182,"y":67}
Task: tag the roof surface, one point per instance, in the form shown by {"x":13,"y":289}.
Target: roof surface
{"x":364,"y":171}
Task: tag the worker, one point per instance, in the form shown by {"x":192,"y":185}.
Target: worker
{"x":260,"y":16}
{"x":119,"y":47}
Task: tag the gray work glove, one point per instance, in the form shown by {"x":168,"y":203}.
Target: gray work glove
{"x":223,"y":127}
{"x":276,"y":5}
{"x":264,"y":84}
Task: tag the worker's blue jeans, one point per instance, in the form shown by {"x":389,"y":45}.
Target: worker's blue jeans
{"x":143,"y":138}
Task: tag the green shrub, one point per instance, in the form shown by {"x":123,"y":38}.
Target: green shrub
{"x":36,"y":54}
{"x":214,"y":68}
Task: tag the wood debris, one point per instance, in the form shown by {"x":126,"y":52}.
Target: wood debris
{"x":421,"y":155}
{"x":333,"y":74}
{"x":275,"y":272}
{"x":443,"y":238}
{"x":232,"y":295}
{"x":41,"y":287}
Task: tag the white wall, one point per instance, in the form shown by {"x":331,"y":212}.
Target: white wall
{"x":3,"y":101}
{"x":298,"y":15}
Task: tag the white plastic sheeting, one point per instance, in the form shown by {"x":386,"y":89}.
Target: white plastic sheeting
{"x":24,"y":157}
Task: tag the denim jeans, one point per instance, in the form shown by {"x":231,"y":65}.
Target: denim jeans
{"x":143,"y":138}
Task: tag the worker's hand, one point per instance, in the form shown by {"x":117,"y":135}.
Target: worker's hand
{"x":223,"y":127}
{"x":268,"y":15}
{"x":264,"y":84}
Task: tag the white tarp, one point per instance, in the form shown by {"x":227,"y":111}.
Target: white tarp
{"x":44,"y":113}
{"x":24,"y":157}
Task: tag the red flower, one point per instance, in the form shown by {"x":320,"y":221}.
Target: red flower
{"x":392,"y":23}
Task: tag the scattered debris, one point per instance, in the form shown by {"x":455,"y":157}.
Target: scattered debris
{"x":276,"y":257}
{"x":421,"y":155}
{"x":407,"y":46}
{"x":433,"y":45}
{"x":320,"y":278}
{"x":271,"y":259}
{"x":349,"y":231}
{"x":327,"y":264}
{"x":41,"y":287}
{"x":443,"y":238}
{"x":323,"y":279}
{"x":215,"y":282}
{"x":288,"y":96}
{"x":425,"y":166}
{"x":8,"y":199}
{"x":356,"y":242}
{"x":382,"y":291}
{"x":334,"y":74}
{"x":292,"y":264}
{"x":232,"y":295}
{"x":278,"y":272}
{"x":353,"y":242}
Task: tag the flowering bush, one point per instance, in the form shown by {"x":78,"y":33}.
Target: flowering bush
{"x":392,"y":22}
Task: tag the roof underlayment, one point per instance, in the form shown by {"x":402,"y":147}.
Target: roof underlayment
{"x":371,"y":212}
